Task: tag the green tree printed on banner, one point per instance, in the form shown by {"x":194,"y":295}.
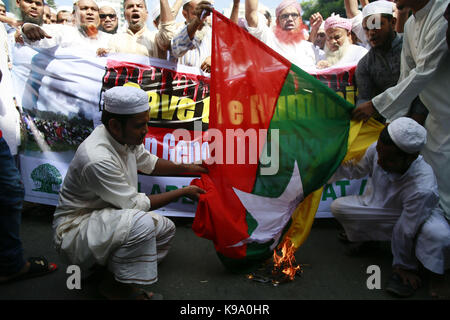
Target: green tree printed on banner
{"x":45,"y":177}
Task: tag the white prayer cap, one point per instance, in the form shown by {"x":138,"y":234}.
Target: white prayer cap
{"x":155,"y":12}
{"x":407,"y":134}
{"x":2,"y":3}
{"x":376,"y":7}
{"x":126,"y":100}
{"x":65,"y":8}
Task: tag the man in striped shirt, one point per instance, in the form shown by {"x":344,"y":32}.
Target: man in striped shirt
{"x":191,"y":45}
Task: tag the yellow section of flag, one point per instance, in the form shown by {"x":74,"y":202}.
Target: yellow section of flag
{"x":361,"y":136}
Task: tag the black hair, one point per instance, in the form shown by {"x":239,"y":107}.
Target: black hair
{"x":121,"y":118}
{"x":386,"y":139}
{"x":389,"y":17}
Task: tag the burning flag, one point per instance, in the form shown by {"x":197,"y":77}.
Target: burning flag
{"x":277,"y":135}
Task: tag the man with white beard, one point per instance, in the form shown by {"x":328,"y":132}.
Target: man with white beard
{"x":339,"y":50}
{"x":288,"y":36}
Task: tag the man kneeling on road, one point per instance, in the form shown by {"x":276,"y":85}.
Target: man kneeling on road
{"x":400,"y":205}
{"x":101,"y":218}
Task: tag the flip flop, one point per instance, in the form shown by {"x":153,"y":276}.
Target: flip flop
{"x":39,"y":266}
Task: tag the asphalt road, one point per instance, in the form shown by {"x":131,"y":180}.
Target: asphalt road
{"x":192,"y":270}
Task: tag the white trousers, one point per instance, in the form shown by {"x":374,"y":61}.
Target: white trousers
{"x":148,"y":242}
{"x":364,"y":223}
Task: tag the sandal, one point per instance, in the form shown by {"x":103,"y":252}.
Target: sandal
{"x":39,"y":266}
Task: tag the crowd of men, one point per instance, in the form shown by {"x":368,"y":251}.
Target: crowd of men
{"x":402,"y":74}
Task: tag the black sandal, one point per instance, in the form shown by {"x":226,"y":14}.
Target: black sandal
{"x":39,"y":266}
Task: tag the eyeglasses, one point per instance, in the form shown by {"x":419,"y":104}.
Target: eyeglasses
{"x":112,"y":16}
{"x":287,"y":15}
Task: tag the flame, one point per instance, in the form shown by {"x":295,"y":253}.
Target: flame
{"x":286,"y":260}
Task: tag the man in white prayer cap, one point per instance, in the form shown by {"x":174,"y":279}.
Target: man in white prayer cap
{"x":380,"y":68}
{"x":102,"y":218}
{"x":424,"y":70}
{"x":339,"y":49}
{"x":399,"y":204}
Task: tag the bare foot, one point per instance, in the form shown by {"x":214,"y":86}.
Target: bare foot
{"x":114,"y":290}
{"x":409,"y":277}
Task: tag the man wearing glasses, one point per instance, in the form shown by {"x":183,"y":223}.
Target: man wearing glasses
{"x":288,"y":37}
{"x":108,"y":19}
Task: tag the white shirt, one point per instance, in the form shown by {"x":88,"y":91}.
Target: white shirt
{"x":352,"y":56}
{"x":69,"y":36}
{"x":414,"y":193}
{"x":102,"y":178}
{"x":303,"y":54}
{"x":144,"y":42}
{"x":425,"y":70}
{"x":9,"y":116}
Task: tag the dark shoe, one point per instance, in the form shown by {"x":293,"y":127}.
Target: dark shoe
{"x":396,"y":287}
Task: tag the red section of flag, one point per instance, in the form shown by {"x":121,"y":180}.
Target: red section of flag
{"x":246,"y":80}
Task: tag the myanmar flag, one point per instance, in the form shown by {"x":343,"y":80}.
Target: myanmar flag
{"x":276,"y":135}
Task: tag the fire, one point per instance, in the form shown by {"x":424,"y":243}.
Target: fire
{"x":286,"y":261}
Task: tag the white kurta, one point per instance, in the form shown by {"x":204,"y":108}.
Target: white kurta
{"x":144,"y":42}
{"x":67,"y":36}
{"x":99,"y":198}
{"x":9,"y":116}
{"x":425,"y":70}
{"x":303,"y":54}
{"x":352,"y":56}
{"x":393,"y":206}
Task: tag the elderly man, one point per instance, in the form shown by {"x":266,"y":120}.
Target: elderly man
{"x":101,"y":218}
{"x":424,"y":70}
{"x":138,"y":39}
{"x":287,"y":37}
{"x":191,"y":45}
{"x":372,"y":75}
{"x":84,"y":35}
{"x":400,"y":204}
{"x":108,"y":19}
{"x":339,"y":49}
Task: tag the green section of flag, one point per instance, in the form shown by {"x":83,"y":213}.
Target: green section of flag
{"x":313,"y":124}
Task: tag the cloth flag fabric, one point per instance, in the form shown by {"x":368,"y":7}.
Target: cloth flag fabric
{"x":265,"y":108}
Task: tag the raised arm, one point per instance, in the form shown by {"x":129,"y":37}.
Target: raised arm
{"x":176,"y":8}
{"x":351,"y":8}
{"x":235,"y":11}
{"x":166,"y":11}
{"x":251,"y":13}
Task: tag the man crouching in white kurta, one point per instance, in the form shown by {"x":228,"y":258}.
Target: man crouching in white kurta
{"x":101,"y":218}
{"x":400,"y":204}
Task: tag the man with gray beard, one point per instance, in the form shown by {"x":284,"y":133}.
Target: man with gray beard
{"x":338,"y":49}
